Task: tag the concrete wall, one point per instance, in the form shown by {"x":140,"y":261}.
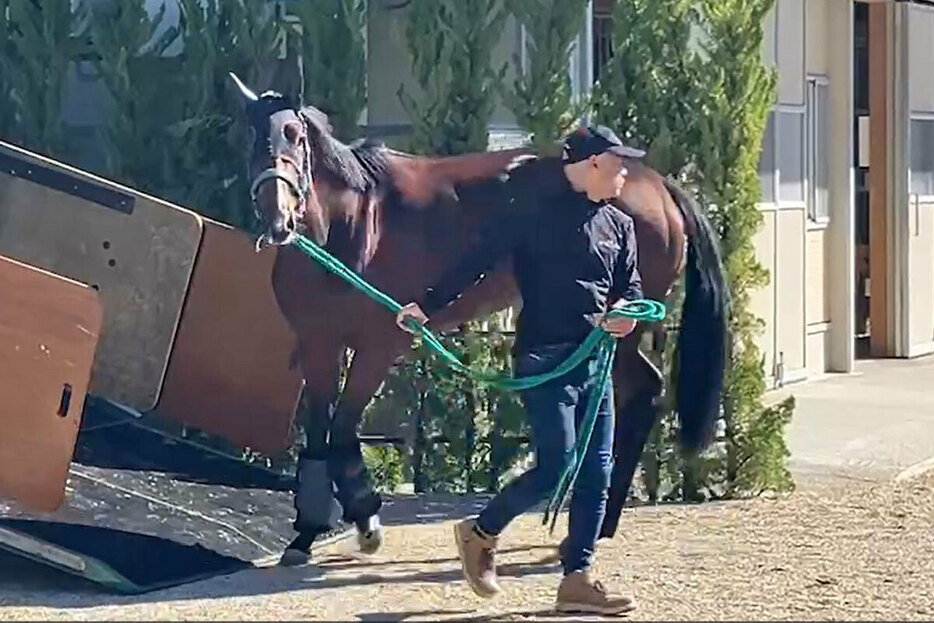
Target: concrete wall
{"x":920,"y":264}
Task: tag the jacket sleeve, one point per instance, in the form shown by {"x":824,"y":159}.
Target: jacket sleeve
{"x":497,"y":240}
{"x":627,"y":282}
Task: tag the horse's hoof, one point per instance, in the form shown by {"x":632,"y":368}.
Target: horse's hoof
{"x":370,"y":538}
{"x":370,"y":541}
{"x":295,"y":558}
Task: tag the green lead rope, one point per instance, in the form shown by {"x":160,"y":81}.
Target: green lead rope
{"x":598,"y":341}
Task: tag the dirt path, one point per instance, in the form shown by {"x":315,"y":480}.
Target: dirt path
{"x":847,"y":550}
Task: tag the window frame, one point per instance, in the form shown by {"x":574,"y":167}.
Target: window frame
{"x":815,"y":156}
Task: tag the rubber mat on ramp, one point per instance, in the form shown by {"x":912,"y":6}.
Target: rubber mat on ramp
{"x":125,"y":562}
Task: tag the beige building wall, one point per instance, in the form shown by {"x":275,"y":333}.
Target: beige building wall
{"x":790,"y":35}
{"x":793,"y":243}
{"x":762,"y":300}
{"x":781,"y":243}
{"x":818,"y":305}
{"x":817,"y":63}
{"x":389,"y":66}
{"x":920,"y":264}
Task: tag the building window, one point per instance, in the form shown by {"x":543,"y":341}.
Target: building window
{"x":767,"y":160}
{"x":818,"y":156}
{"x":922,"y":155}
{"x":791,"y":160}
{"x":602,"y":38}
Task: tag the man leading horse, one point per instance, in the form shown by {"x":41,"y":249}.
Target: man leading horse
{"x":574,"y":257}
{"x":401,"y":221}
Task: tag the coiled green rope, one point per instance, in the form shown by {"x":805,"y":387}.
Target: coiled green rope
{"x":598,"y":340}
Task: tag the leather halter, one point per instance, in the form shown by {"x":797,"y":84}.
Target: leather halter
{"x":300,"y":190}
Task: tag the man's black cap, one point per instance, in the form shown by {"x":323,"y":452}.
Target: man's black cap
{"x":591,"y":141}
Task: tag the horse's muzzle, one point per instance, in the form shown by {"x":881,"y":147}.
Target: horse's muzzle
{"x":282,"y":230}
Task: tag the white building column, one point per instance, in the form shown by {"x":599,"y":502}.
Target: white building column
{"x":841,"y":231}
{"x":898,"y":217}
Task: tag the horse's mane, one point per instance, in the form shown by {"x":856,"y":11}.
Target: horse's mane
{"x":363,"y":166}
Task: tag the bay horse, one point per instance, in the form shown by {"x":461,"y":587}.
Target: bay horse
{"x":399,"y":220}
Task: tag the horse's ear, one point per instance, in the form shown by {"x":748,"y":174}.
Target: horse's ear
{"x":247,"y":93}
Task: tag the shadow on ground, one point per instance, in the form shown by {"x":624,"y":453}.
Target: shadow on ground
{"x":417,"y":615}
{"x":25,"y":583}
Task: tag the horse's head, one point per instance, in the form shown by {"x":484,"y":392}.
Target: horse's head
{"x":283,"y":145}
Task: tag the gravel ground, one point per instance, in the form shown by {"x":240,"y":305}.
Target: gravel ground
{"x":837,"y":550}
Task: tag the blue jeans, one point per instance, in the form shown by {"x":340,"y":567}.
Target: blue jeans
{"x":555,"y":410}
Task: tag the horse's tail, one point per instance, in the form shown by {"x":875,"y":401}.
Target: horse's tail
{"x":702,"y":342}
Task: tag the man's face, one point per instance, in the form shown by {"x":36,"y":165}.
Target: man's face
{"x":607,"y":176}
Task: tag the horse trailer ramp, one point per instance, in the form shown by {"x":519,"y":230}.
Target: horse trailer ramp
{"x":147,"y":510}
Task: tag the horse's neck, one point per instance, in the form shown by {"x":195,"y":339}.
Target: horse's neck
{"x":355,"y":226}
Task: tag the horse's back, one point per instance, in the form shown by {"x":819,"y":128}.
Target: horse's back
{"x":421,"y":180}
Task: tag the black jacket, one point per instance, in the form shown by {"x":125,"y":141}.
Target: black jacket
{"x":572,"y":258}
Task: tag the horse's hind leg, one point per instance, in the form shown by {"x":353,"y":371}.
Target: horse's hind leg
{"x":314,"y":500}
{"x":345,"y":458}
{"x":640,"y":384}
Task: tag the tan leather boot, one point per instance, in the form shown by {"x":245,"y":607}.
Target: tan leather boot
{"x":477,"y":558}
{"x":579,"y":592}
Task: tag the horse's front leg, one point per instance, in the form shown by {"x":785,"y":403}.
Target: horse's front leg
{"x":361,"y":503}
{"x":314,"y":500}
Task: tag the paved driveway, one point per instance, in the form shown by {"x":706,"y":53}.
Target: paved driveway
{"x":876,"y":423}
